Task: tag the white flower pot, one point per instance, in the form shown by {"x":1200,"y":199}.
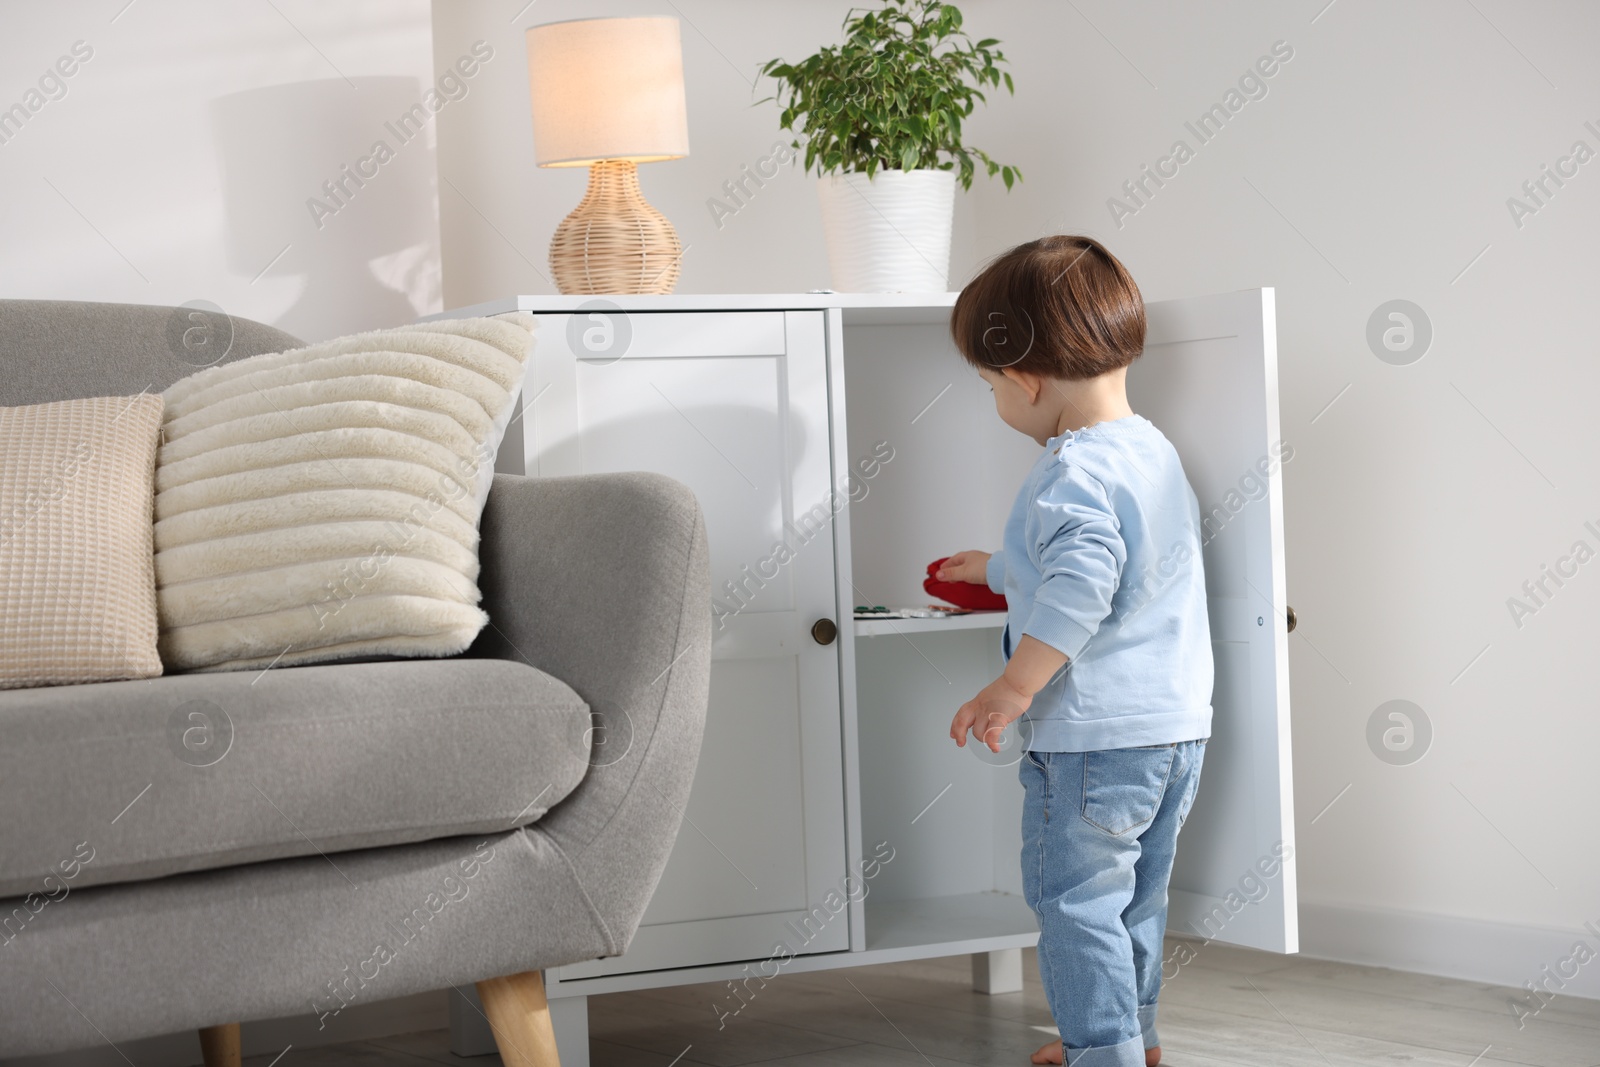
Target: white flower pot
{"x":890,"y":234}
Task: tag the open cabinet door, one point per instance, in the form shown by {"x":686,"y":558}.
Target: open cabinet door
{"x":1209,"y":380}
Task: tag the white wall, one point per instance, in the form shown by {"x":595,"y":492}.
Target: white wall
{"x":176,"y":162}
{"x":1377,"y":167}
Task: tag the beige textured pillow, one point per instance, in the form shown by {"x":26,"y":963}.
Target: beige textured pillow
{"x":323,"y":503}
{"x":79,"y":597}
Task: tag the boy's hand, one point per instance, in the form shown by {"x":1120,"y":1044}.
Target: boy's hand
{"x":972,"y":566}
{"x":1003,"y":700}
{"x":987,"y":715}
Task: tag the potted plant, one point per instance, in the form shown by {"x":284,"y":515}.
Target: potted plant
{"x":880,"y":118}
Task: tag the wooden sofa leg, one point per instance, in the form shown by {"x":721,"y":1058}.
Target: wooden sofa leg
{"x":220,"y":1045}
{"x":520,"y":1017}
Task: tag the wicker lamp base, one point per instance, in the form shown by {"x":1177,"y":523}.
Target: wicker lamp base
{"x":614,"y":241}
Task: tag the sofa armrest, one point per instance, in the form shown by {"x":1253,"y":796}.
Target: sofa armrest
{"x":603,"y":581}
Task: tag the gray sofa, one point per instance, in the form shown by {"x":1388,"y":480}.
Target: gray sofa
{"x":482,"y":816}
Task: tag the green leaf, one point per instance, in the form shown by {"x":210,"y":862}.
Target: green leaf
{"x":893,"y":94}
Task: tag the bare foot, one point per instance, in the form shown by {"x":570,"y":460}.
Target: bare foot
{"x":1052,"y":1053}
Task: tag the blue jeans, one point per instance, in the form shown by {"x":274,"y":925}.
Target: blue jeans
{"x":1098,"y":834}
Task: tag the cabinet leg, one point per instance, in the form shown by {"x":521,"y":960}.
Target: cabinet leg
{"x":520,"y":1017}
{"x":570,"y":1015}
{"x":219,"y":1045}
{"x":997,"y":972}
{"x":470,"y":1034}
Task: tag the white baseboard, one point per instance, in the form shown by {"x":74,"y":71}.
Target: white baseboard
{"x":1449,"y":947}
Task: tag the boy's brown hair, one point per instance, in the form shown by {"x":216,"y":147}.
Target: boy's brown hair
{"x":1060,"y":306}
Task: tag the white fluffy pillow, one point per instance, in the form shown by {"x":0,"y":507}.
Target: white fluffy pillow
{"x":323,"y":503}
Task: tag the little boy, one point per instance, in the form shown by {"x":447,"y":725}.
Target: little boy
{"x":1107,"y":642}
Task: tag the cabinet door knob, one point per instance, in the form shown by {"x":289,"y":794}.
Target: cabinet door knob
{"x":1292,"y":620}
{"x":823,"y":631}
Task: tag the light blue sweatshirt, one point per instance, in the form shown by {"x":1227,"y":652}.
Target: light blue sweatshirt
{"x":1102,"y":562}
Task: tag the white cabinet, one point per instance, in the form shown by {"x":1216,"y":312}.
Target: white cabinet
{"x":846,"y":429}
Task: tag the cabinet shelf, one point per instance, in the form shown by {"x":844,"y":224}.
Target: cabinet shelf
{"x":978,"y":620}
{"x":947,"y":926}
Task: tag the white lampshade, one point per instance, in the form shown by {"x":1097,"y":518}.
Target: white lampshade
{"x":607,"y":89}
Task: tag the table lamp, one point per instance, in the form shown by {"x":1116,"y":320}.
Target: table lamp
{"x":608,"y":94}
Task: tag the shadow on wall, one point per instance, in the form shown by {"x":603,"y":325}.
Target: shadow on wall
{"x":333,"y":181}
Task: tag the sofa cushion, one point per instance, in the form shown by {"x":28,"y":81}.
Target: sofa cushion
{"x":323,"y":503}
{"x":119,"y":781}
{"x":79,"y":594}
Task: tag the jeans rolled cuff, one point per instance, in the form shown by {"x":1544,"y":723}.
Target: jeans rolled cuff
{"x":1128,"y":1054}
{"x":1147,"y":1023}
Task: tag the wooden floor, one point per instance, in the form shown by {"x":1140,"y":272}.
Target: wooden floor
{"x":1227,"y":1006}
